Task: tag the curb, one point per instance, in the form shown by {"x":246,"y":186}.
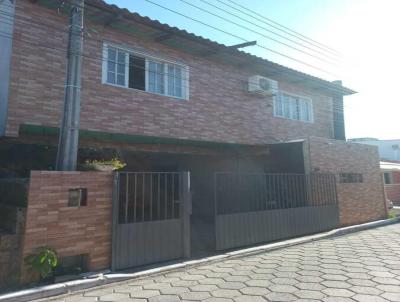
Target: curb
{"x":103,"y":279}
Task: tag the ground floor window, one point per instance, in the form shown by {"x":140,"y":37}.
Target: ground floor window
{"x":350,"y":178}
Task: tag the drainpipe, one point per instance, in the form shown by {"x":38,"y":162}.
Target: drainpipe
{"x":6,"y":34}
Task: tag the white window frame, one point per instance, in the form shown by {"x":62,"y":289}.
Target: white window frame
{"x":147,"y":57}
{"x":311,"y":121}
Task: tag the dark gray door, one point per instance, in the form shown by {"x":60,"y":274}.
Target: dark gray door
{"x":151,"y":218}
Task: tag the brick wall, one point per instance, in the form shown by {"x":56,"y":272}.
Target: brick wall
{"x":358,"y":202}
{"x":70,"y":230}
{"x":393,"y":190}
{"x":219,"y":108}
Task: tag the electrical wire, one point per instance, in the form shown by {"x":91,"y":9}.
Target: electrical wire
{"x":259,"y":33}
{"x":286,"y":29}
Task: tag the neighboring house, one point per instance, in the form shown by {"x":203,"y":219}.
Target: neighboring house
{"x":168,"y":100}
{"x":388,"y":149}
{"x":391,"y":178}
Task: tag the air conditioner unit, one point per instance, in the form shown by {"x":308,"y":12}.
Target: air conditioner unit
{"x":262,"y":85}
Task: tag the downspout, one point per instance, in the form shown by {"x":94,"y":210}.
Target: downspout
{"x":6,"y":36}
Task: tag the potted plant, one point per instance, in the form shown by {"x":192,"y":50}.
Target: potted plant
{"x":43,"y":262}
{"x":103,"y":165}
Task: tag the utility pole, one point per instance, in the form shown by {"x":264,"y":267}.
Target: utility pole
{"x":69,"y":131}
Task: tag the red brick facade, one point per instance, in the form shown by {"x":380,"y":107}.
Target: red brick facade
{"x":70,"y":230}
{"x":358,"y":202}
{"x":217,"y":110}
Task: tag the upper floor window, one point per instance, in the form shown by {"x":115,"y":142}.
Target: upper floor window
{"x":293,"y":107}
{"x":132,"y":70}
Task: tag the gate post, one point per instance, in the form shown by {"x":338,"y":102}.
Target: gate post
{"x":115,"y":214}
{"x":186,"y":211}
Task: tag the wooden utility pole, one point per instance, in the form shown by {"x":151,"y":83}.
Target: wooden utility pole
{"x":69,"y":132}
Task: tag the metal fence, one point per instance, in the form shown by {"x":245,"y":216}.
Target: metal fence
{"x":148,"y":196}
{"x":255,"y":208}
{"x":248,"y":192}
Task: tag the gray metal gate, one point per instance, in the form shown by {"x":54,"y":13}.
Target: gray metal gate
{"x":151,"y":221}
{"x":255,"y":208}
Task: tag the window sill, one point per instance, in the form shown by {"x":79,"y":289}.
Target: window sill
{"x":149,"y":92}
{"x":294,"y":120}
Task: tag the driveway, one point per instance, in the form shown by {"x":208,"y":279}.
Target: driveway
{"x":363,"y":266}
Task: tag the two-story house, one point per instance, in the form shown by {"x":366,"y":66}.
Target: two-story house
{"x":168,"y":100}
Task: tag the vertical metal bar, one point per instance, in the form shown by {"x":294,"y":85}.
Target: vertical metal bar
{"x":151,"y":197}
{"x":158,"y":197}
{"x":134,"y":199}
{"x":186,"y":209}
{"x":166,"y":196}
{"x":143,"y":193}
{"x":173,"y":195}
{"x":126,"y":197}
{"x":215,"y":196}
{"x":115,"y":220}
{"x":335,"y":189}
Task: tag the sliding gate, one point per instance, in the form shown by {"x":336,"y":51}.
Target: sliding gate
{"x":255,"y":208}
{"x":150,"y":218}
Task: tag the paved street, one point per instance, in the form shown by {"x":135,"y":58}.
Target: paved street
{"x":363,"y":266}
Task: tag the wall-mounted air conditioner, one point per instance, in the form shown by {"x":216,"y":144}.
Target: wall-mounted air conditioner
{"x":261,"y":85}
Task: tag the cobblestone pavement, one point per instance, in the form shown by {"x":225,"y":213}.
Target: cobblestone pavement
{"x":363,"y":266}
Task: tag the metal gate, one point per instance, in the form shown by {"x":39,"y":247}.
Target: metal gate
{"x":255,"y":208}
{"x":151,"y":221}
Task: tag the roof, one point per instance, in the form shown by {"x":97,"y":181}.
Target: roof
{"x":392,"y":166}
{"x":119,"y":18}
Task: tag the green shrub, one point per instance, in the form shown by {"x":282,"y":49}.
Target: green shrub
{"x":43,"y":262}
{"x":391,"y":215}
{"x":114,"y":164}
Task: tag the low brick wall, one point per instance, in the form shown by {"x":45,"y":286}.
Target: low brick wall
{"x":70,"y":231}
{"x":358,"y":202}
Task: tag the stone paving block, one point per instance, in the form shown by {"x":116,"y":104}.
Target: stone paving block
{"x":282,"y":288}
{"x":254,"y":291}
{"x":394,"y":297}
{"x":368,"y":290}
{"x":310,"y":286}
{"x":245,"y":298}
{"x":338,"y":292}
{"x":280,"y":297}
{"x":225,"y":293}
{"x":368,"y":298}
{"x":113,"y":297}
{"x":231,"y":285}
{"x":195,"y":296}
{"x":309,"y":294}
{"x":145,"y":293}
{"x":174,"y":290}
{"x":165,"y":298}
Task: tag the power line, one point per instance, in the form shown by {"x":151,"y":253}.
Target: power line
{"x":241,"y":38}
{"x":287,"y":30}
{"x":259,"y":33}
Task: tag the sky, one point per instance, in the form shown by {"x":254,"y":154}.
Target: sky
{"x":362,"y":36}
